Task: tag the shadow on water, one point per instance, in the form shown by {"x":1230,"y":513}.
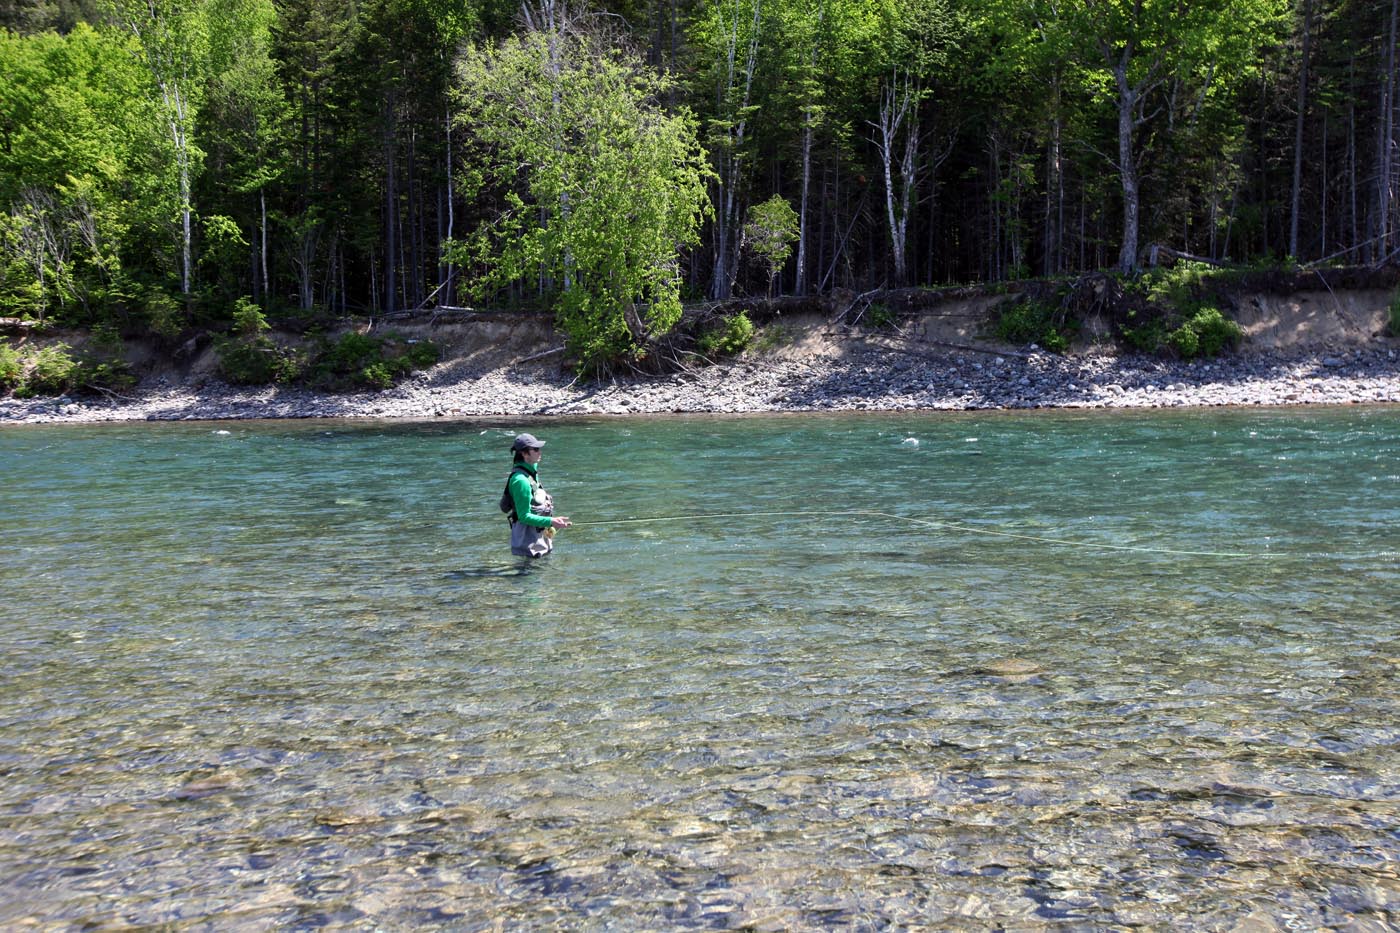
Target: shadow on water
{"x":523,"y":568}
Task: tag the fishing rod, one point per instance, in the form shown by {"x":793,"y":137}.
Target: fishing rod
{"x":928,"y":523}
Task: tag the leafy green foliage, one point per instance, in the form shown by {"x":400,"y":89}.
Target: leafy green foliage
{"x":770,"y":233}
{"x":257,"y":361}
{"x":878,"y":315}
{"x":1034,"y":322}
{"x":11,"y":366}
{"x":770,"y":338}
{"x":364,"y":361}
{"x":601,"y":187}
{"x":351,"y":362}
{"x":50,"y":371}
{"x":1181,"y":319}
{"x":308,"y":145}
{"x":248,"y":319}
{"x":55,"y":369}
{"x":1201,"y":331}
{"x":1176,"y":285}
{"x":1148,"y":337}
{"x":1206,"y":333}
{"x":732,"y":336}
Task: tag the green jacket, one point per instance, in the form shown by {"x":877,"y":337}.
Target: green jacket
{"x":522,"y":491}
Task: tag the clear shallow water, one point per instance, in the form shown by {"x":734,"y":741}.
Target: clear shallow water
{"x":289,"y":676}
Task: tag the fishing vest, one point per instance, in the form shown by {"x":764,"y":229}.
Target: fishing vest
{"x":540,"y":501}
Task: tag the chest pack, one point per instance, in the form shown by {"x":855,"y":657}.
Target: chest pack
{"x":507,"y":503}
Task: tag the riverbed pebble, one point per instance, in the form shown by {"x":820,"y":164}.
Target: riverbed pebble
{"x":856,"y":378}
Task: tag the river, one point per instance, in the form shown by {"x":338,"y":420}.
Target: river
{"x":1089,"y":670}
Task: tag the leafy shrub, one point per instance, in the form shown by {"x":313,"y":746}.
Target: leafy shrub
{"x":879,"y":315}
{"x":1395,"y":315}
{"x":1215,"y":330}
{"x":353,"y":361}
{"x":163,"y":313}
{"x":770,"y":338}
{"x":257,"y":361}
{"x":248,"y":318}
{"x":54,"y":370}
{"x":1205,"y":333}
{"x":361,"y":361}
{"x":1033,"y":322}
{"x":11,"y":368}
{"x":1184,"y":341}
{"x":1175,"y":285}
{"x":732,"y":336}
{"x":108,"y":374}
{"x":1148,"y":337}
{"x":770,"y":233}
{"x":104,"y":364}
{"x":51,"y":371}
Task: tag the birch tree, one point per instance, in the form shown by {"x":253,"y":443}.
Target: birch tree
{"x":729,"y":34}
{"x":591,"y":185}
{"x":247,"y":113}
{"x":911,"y":43}
{"x":1136,"y":47}
{"x":173,"y":39}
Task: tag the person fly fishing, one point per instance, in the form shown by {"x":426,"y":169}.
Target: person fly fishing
{"x":528,"y":507}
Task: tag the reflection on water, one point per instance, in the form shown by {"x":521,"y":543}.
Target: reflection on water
{"x":290,"y":676}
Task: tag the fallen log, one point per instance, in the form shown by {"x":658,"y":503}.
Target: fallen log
{"x":15,"y":325}
{"x":1157,"y":252}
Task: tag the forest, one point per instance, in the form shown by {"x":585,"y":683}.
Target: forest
{"x":174,"y":163}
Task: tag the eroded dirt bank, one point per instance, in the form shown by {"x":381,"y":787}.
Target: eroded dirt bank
{"x":1307,"y":347}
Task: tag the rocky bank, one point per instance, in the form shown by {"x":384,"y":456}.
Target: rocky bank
{"x":936,"y":363}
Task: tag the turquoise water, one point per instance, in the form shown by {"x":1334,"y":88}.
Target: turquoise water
{"x":287,"y":675}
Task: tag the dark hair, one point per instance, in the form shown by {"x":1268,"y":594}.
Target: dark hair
{"x":519,"y":457}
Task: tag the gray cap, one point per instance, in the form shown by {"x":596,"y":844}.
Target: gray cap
{"x":526,"y":441}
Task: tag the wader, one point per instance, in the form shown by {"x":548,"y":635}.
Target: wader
{"x":527,"y":540}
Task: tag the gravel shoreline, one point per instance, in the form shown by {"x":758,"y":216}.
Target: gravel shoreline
{"x":861,"y":378}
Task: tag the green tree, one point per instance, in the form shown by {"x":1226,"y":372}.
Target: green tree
{"x":243,"y":123}
{"x":819,"y":86}
{"x":75,"y":177}
{"x":1134,"y":50}
{"x":909,"y":45}
{"x":729,"y":36}
{"x":769,"y":234}
{"x":173,"y":38}
{"x":599,"y":187}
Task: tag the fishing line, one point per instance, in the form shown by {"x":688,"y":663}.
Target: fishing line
{"x":929,"y":523}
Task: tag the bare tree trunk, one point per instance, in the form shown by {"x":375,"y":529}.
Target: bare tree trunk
{"x":898,"y":128}
{"x":824,"y":215}
{"x":994,"y":267}
{"x":1214,"y":207}
{"x":1386,"y":175}
{"x":1296,"y":198}
{"x":808,"y":132}
{"x":170,"y":64}
{"x":448,"y":271}
{"x":1351,"y":161}
{"x":1127,"y":167}
{"x":730,"y":161}
{"x":414,"y":285}
{"x":391,"y":210}
{"x":186,"y":216}
{"x":262,"y":206}
{"x":1054,"y":195}
{"x":305,"y":261}
{"x":1322,"y":220}
{"x":800,"y":286}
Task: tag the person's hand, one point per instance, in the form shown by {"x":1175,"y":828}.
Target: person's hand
{"x":561,"y":522}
